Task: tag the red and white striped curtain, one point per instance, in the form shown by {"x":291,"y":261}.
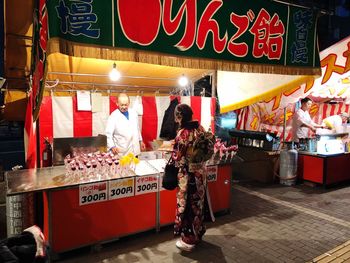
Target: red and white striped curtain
{"x":255,"y":117}
{"x":60,"y":118}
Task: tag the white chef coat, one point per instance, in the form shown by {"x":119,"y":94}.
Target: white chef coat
{"x":300,"y":118}
{"x":333,"y":121}
{"x":124,"y":133}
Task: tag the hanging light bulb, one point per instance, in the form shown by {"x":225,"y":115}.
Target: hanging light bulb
{"x":114,"y":74}
{"x":183,"y":81}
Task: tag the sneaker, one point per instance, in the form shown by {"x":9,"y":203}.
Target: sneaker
{"x":184,"y":246}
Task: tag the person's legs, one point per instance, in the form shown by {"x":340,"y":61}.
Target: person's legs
{"x":192,"y":228}
{"x":184,"y":246}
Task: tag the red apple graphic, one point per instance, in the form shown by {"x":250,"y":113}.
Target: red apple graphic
{"x":140,"y":20}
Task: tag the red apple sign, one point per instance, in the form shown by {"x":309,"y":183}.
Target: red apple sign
{"x":140,"y":20}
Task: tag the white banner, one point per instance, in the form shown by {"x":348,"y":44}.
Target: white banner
{"x":83,"y":100}
{"x":212,"y":173}
{"x":121,"y":188}
{"x":93,"y":193}
{"x":146,"y":184}
{"x":249,"y":88}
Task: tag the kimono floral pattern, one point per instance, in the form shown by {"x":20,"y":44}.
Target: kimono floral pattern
{"x":191,"y":191}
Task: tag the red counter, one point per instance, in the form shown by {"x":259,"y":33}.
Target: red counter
{"x":167,"y":206}
{"x":68,"y":224}
{"x":220,"y":189}
{"x":324,"y":169}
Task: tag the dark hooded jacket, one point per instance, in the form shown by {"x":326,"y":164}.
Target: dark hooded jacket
{"x":169,"y":127}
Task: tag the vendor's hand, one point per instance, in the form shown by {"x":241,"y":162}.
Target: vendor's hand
{"x":313,"y":128}
{"x":142,"y":146}
{"x":114,"y":150}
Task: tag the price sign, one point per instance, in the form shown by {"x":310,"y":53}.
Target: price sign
{"x":121,"y":188}
{"x":92,"y":193}
{"x":146,"y":184}
{"x":212,"y":173}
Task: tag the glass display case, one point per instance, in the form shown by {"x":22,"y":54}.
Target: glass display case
{"x":327,"y":163}
{"x":329,"y":144}
{"x":324,"y":144}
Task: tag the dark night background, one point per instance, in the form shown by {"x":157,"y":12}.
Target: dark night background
{"x":332,"y":26}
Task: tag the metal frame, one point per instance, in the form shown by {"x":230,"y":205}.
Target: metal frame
{"x":175,"y":89}
{"x":106,"y":75}
{"x":158,"y":204}
{"x":113,"y":87}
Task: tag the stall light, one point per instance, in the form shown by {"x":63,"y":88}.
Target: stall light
{"x":183,"y":81}
{"x":114,"y":74}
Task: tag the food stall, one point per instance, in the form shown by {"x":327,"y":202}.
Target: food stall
{"x":90,"y":211}
{"x":329,"y":164}
{"x":322,"y":159}
{"x":99,"y":208}
{"x":77,"y":56}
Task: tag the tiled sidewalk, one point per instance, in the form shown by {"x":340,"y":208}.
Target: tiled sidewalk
{"x":336,"y":255}
{"x":267,"y":224}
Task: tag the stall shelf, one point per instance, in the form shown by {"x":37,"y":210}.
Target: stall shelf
{"x":323,"y":169}
{"x":89,"y":212}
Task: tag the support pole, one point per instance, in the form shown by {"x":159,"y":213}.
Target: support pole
{"x":284,"y":124}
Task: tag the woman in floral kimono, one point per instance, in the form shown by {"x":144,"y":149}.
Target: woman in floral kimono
{"x":192,"y":182}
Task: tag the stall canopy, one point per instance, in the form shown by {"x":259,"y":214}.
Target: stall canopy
{"x":334,"y":85}
{"x":167,"y":37}
{"x":152,"y":42}
{"x":186,"y":37}
{"x":170,"y":38}
{"x":237,"y":90}
{"x":330,"y":93}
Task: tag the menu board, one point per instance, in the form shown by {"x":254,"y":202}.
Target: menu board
{"x":93,"y":193}
{"x":121,"y":188}
{"x":146,"y":184}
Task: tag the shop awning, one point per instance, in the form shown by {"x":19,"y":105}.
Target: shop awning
{"x":155,"y":42}
{"x":254,"y":38}
{"x":92,"y":74}
{"x":237,"y":90}
{"x":335,"y":81}
{"x":215,"y":35}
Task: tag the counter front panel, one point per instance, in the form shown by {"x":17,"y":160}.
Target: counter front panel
{"x":73,"y":218}
{"x":324,"y":169}
{"x":72,"y":225}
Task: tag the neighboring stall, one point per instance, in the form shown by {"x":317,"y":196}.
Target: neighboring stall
{"x":86,"y":39}
{"x":331,"y":97}
{"x":327,"y":163}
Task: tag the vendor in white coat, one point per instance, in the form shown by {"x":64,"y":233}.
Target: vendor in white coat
{"x":334,"y":121}
{"x":302,"y":122}
{"x":122,"y":131}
